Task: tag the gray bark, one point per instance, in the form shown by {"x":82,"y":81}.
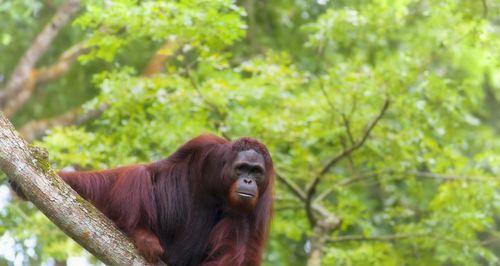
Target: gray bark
{"x":30,"y":169}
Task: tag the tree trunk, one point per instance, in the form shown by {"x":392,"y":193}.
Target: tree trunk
{"x":320,"y":235}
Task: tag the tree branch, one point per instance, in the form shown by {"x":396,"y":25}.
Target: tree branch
{"x":301,"y":195}
{"x":30,"y":170}
{"x":211,"y":106}
{"x":157,"y":63}
{"x":38,"y":128}
{"x":395,"y":237}
{"x":361,"y":177}
{"x":347,"y":127}
{"x":62,"y":65}
{"x":442,"y":176}
{"x":294,"y":188}
{"x":40,"y":76}
{"x":39,"y":46}
{"x":377,"y":238}
{"x":357,"y":145}
{"x":446,"y":177}
{"x":485,"y":8}
{"x":311,"y":190}
{"x":319,"y":239}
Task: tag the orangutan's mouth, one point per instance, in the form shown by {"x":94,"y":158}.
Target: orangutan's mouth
{"x":245,"y":194}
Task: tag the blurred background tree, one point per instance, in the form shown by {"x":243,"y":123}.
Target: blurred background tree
{"x":383,"y":117}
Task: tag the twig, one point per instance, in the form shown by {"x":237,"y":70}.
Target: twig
{"x":347,"y":128}
{"x":446,"y":177}
{"x":222,"y":116}
{"x":311,"y":190}
{"x":432,"y":235}
{"x":356,"y":146}
{"x":443,"y":176}
{"x":294,"y":188}
{"x":356,"y":178}
{"x":344,"y":182}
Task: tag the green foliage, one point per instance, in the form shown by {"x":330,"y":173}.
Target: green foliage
{"x":207,"y":25}
{"x":427,"y":173}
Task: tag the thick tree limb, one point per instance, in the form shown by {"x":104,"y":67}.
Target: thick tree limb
{"x":30,"y":170}
{"x":311,"y":189}
{"x":62,"y":65}
{"x":40,"y":76}
{"x":41,"y":43}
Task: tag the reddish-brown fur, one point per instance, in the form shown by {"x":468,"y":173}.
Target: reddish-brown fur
{"x":180,"y":208}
